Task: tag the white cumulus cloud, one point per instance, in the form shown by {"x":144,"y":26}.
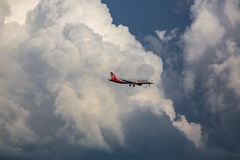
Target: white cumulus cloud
{"x":59,"y":61}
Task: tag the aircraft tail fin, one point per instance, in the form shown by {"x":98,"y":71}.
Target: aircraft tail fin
{"x":113,"y":77}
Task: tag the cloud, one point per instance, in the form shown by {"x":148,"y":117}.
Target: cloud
{"x":212,"y":58}
{"x":13,"y":124}
{"x":232,"y":12}
{"x":192,"y":130}
{"x":197,"y":37}
{"x":210,"y":75}
{"x":19,"y":10}
{"x":201,"y":71}
{"x":4,"y":11}
{"x":54,"y":70}
{"x":218,"y":52}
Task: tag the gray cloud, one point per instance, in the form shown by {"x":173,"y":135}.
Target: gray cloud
{"x":5,"y":9}
{"x":204,"y":66}
{"x":220,"y":56}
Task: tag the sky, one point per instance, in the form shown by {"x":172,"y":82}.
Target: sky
{"x":56,"y":101}
{"x":142,"y":17}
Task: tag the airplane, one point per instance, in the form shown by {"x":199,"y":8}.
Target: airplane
{"x":129,"y":82}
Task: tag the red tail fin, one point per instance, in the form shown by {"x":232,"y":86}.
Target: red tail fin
{"x":113,"y":77}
